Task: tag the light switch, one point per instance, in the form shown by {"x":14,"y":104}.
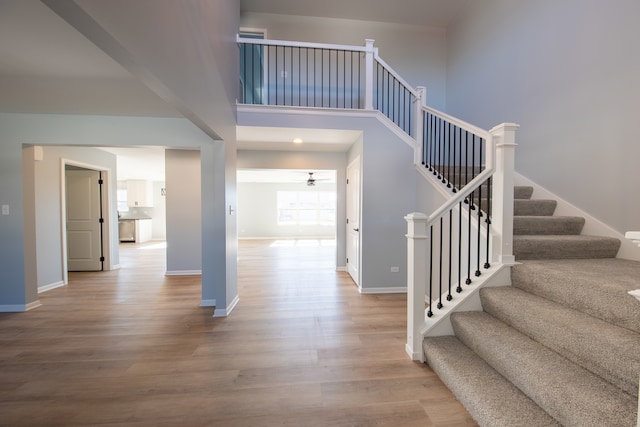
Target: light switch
{"x":5,"y":209}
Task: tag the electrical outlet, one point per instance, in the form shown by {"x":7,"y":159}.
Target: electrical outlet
{"x":395,"y":269}
{"x":5,"y":209}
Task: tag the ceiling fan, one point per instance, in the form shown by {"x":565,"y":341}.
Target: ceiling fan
{"x":311,"y":181}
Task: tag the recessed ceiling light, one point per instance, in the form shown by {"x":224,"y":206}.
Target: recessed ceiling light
{"x":297,"y":141}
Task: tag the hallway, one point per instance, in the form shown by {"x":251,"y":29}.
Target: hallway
{"x":303,"y":347}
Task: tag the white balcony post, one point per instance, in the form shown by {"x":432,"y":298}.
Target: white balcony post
{"x":417,"y":243}
{"x":504,"y":137}
{"x":420,"y":102}
{"x":368,"y":74}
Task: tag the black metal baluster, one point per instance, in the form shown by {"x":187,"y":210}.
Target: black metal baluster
{"x":455,"y":165}
{"x":449,"y":297}
{"x":488,"y":219}
{"x":445,"y":152}
{"x":473,"y":170}
{"x":425,"y":138}
{"x":468,"y":281}
{"x":430,"y":312}
{"x":459,"y":288}
{"x":440,"y":269}
{"x":478,"y":272}
{"x":433,"y":144}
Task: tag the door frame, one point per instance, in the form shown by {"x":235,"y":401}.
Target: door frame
{"x":106,"y":210}
{"x":355,"y":162}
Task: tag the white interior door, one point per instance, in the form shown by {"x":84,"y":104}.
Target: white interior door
{"x":84,"y":240}
{"x":353,"y":220}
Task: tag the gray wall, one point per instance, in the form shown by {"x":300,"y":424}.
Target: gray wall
{"x":258,"y":211}
{"x":184,"y":212}
{"x":48,"y":206}
{"x":18,"y":242}
{"x":418,"y":54}
{"x":567,"y":72}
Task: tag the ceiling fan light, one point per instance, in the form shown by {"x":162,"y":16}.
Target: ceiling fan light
{"x":297,"y":141}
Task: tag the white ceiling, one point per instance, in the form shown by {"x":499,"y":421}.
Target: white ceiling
{"x":281,"y":139}
{"x":288,"y":176}
{"x":46,"y":66}
{"x":412,"y":12}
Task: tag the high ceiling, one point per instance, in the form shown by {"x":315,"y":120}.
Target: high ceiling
{"x":411,"y":12}
{"x":46,"y":66}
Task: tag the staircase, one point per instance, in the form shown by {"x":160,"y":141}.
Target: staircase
{"x":561,"y":346}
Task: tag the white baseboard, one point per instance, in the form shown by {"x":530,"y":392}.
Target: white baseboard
{"x":208,"y":303}
{"x":19,"y":308}
{"x":220,"y":312}
{"x":341,"y":268}
{"x":50,"y":286}
{"x":592,"y":225}
{"x":386,"y":290}
{"x":183,"y":273}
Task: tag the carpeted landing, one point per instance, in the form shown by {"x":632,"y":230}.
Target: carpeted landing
{"x":559,"y":347}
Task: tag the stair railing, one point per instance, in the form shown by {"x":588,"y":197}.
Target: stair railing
{"x":318,"y":75}
{"x":473,"y":229}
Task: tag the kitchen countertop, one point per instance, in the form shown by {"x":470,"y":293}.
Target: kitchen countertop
{"x":132,"y":217}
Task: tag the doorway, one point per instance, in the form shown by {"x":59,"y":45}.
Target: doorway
{"x":85,"y":217}
{"x":353,"y":220}
{"x":291,"y":207}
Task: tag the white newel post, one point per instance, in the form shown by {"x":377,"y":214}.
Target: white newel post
{"x":368,"y":73}
{"x":504,"y":136}
{"x":420,"y":102}
{"x":417,"y":243}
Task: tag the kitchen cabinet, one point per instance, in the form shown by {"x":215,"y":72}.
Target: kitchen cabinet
{"x":144,"y":230}
{"x":139,"y":193}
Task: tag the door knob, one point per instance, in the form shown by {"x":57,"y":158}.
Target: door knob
{"x":356,"y":229}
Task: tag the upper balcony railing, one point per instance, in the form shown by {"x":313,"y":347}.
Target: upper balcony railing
{"x":295,"y":74}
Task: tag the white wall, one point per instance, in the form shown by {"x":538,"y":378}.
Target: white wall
{"x":258,"y":212}
{"x":567,"y":72}
{"x":418,"y":54}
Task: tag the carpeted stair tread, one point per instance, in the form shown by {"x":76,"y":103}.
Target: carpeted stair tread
{"x":488,"y":397}
{"x":566,"y":391}
{"x":547,"y":225}
{"x":534,"y":207}
{"x":597,"y":287}
{"x":522,"y":192}
{"x":564,"y":247}
{"x":583,"y":339}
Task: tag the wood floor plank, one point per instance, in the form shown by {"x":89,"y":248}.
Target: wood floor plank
{"x":132,"y":347}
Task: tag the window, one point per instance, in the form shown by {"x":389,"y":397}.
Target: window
{"x":306,"y":208}
{"x":121,"y":195}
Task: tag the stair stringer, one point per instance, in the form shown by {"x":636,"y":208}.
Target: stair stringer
{"x":469,"y":300}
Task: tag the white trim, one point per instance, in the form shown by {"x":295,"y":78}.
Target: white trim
{"x":208,"y":303}
{"x":592,"y":225}
{"x":183,"y":273}
{"x":266,"y":42}
{"x":383,"y":290}
{"x":341,"y":268}
{"x":50,"y":286}
{"x":226,"y":311}
{"x":19,"y":308}
{"x":328,"y":112}
{"x":327,"y":237}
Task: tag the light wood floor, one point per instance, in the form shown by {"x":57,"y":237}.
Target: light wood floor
{"x":303,"y":348}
